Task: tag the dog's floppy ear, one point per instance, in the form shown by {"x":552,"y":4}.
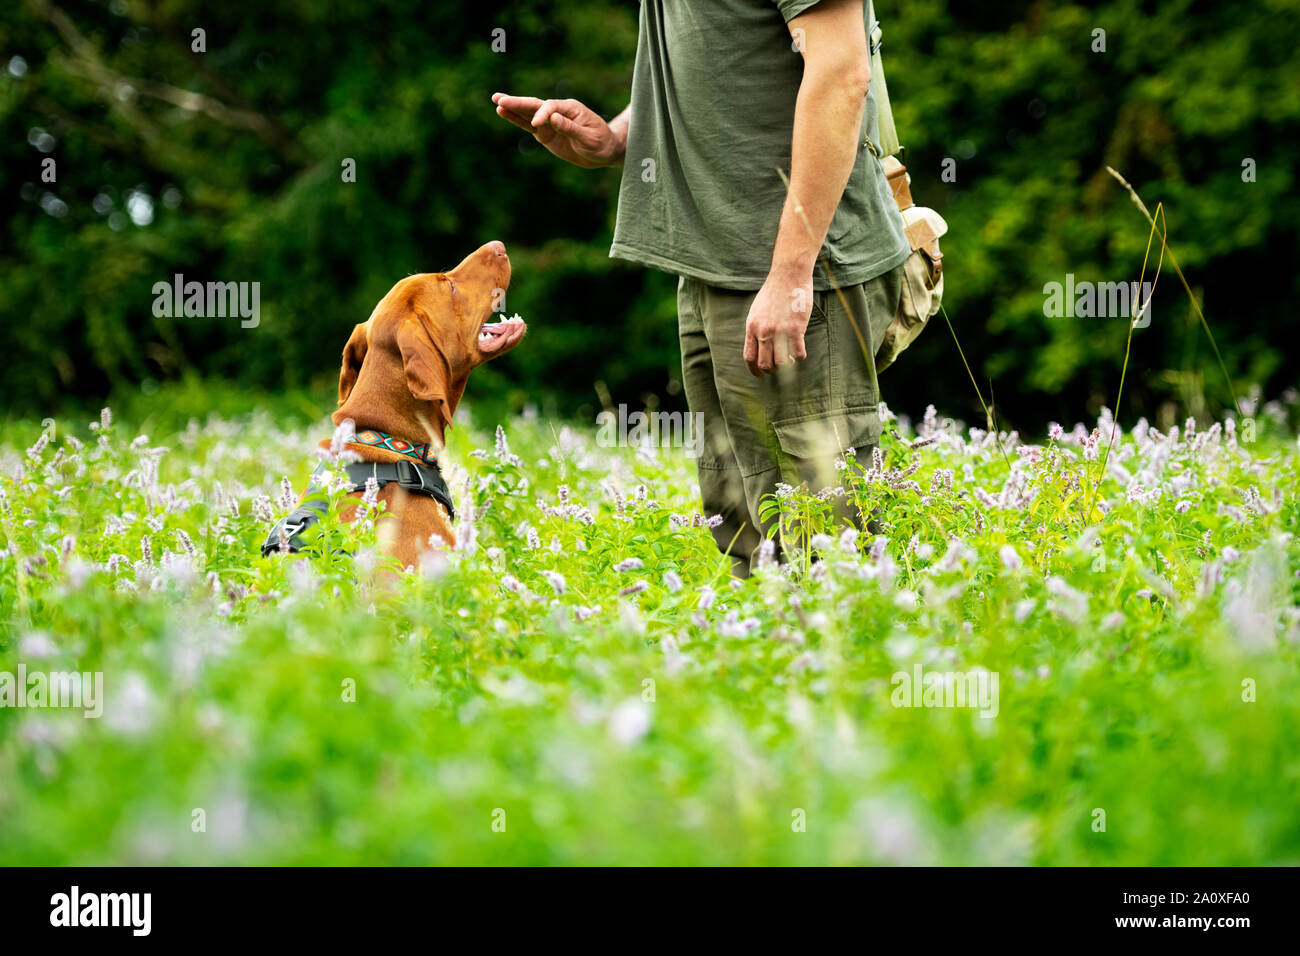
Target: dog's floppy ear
{"x":428,"y":375}
{"x":354,"y":353}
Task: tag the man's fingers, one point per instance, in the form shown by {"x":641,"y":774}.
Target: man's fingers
{"x":563,"y":124}
{"x":780,"y":352}
{"x":765,"y":355}
{"x":798,"y":350}
{"x":517,"y":104}
{"x":517,"y":110}
{"x":543,"y":113}
{"x":517,"y":119}
{"x":751,"y":354}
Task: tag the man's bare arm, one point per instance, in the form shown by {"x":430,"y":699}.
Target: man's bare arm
{"x":827,"y":119}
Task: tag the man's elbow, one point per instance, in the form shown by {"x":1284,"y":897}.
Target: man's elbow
{"x":857,"y":76}
{"x":848,"y":74}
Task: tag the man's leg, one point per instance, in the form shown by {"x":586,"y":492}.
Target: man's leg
{"x":750,"y":437}
{"x":721,"y":486}
{"x":791,"y":426}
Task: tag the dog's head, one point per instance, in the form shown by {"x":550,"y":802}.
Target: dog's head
{"x":412,"y":357}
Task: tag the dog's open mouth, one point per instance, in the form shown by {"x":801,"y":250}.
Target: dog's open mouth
{"x":501,"y":335}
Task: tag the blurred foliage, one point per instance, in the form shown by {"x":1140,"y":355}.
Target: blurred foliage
{"x":245,"y":185}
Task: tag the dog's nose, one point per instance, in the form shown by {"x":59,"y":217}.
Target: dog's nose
{"x":497,"y":246}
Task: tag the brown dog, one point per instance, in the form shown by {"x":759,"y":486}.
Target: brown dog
{"x":404,"y":372}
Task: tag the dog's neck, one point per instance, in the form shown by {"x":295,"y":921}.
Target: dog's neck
{"x":381,"y":400}
{"x":422,"y":452}
{"x":416,"y":423}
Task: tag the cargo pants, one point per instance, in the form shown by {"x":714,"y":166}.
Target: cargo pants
{"x":787,"y":427}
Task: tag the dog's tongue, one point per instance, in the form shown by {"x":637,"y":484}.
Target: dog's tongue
{"x":494,"y":336}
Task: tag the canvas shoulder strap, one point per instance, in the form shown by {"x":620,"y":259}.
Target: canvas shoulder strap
{"x":884,"y":114}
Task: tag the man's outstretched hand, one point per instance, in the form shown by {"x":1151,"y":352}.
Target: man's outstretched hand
{"x":568,"y":129}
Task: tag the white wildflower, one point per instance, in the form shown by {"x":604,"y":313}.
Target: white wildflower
{"x":1113,"y":621}
{"x":287,"y":497}
{"x":503,"y":450}
{"x":262,"y":509}
{"x":344,"y":433}
{"x":1010,"y":557}
{"x":629,"y":722}
{"x":1071,"y":604}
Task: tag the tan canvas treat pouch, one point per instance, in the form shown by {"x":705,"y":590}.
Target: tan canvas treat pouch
{"x":922,"y":272}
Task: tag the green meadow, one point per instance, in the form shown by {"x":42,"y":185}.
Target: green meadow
{"x":1076,"y":649}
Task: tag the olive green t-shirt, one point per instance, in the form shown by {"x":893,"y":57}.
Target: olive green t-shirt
{"x":713,"y":99}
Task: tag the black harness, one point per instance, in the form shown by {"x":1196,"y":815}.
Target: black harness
{"x":412,"y":476}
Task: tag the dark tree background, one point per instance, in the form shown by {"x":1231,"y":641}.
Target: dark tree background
{"x":225,"y":165}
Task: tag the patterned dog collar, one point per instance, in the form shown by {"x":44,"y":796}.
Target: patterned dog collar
{"x":377,"y":439}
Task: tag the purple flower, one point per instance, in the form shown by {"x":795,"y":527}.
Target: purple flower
{"x":287,"y":496}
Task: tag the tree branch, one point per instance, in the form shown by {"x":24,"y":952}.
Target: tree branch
{"x":87,"y":64}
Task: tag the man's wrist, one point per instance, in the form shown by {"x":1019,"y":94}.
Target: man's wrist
{"x":793,"y":268}
{"x":795,"y":252}
{"x":618,"y":127}
{"x":618,"y":151}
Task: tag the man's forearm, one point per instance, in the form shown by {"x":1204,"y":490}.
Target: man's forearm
{"x":618,"y":126}
{"x":827,"y":118}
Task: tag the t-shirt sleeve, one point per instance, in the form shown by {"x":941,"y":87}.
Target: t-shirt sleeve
{"x":792,"y":8}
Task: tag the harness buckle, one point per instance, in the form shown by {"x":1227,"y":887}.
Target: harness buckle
{"x":409,"y":474}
